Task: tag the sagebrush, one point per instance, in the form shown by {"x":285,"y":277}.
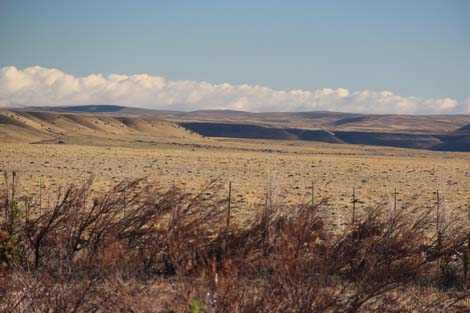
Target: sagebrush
{"x":140,"y":247}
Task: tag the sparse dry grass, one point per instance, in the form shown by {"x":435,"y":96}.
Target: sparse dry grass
{"x":142,"y":251}
{"x":251,"y":164}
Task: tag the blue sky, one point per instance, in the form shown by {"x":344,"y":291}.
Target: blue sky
{"x":411,"y":48}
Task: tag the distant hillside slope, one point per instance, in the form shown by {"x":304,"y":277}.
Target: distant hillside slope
{"x":108,"y":124}
{"x":333,"y":121}
{"x":36,"y":125}
{"x":260,"y":132}
{"x":458,"y":140}
{"x":99,"y":109}
{"x":455,"y":141}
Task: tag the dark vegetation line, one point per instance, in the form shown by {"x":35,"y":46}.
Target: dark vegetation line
{"x":142,"y":248}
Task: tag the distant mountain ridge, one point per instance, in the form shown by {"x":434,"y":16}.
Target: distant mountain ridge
{"x":314,"y":120}
{"x":438,"y":132}
{"x":95,"y":108}
{"x":102,"y":108}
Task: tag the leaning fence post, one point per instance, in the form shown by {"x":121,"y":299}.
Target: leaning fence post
{"x":312,"y":208}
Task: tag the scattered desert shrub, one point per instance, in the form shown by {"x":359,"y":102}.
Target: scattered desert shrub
{"x":142,"y":248}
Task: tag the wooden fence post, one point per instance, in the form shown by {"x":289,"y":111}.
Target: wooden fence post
{"x":13,"y":182}
{"x":313,"y":194}
{"x":40,"y":195}
{"x":466,"y":253}
{"x":438,"y":220}
{"x":5,"y":176}
{"x":229,"y":202}
{"x":394,"y":202}
{"x":354,"y":200}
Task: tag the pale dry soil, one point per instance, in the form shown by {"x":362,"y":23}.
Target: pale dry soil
{"x":288,"y":167}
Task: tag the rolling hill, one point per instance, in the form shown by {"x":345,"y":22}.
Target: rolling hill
{"x":332,"y":121}
{"x":402,"y":140}
{"x":458,"y":140}
{"x":108,"y":124}
{"x":29,"y":125}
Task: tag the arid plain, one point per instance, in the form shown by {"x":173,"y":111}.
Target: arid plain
{"x":288,"y":168}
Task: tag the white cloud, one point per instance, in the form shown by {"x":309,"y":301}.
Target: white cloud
{"x":45,"y":86}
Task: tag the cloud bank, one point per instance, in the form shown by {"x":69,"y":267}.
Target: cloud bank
{"x":52,"y":87}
